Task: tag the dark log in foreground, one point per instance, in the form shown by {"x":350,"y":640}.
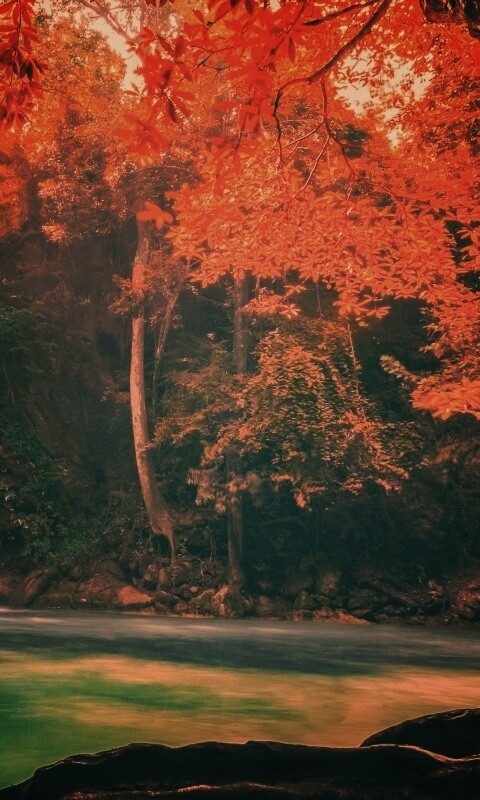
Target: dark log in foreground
{"x":266,"y":770}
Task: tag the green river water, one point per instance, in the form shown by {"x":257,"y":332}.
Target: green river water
{"x":56,"y":701}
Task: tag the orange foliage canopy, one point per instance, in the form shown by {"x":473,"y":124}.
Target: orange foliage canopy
{"x":335,"y":143}
{"x":20,"y":69}
{"x":283,"y":191}
{"x":270,"y":54}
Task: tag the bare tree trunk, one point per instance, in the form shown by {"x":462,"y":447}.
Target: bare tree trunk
{"x":163,"y":330}
{"x":159,"y":515}
{"x":235,"y":515}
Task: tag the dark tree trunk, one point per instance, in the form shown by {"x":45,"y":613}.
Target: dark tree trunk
{"x":235,"y":514}
{"x":235,"y":523}
{"x":239,"y":327}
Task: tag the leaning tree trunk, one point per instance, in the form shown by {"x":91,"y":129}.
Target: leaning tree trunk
{"x":162,"y":335}
{"x":235,"y":515}
{"x":159,"y":515}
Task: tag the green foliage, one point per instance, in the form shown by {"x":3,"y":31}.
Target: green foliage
{"x":30,"y":490}
{"x":301,"y":422}
{"x":36,"y":514}
{"x":197,"y":398}
{"x":76,"y":542}
{"x":18,"y":331}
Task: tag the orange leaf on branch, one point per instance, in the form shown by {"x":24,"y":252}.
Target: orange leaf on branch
{"x":21,"y":68}
{"x":153,"y":213}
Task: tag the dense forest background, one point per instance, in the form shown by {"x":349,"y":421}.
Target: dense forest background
{"x":289,"y":461}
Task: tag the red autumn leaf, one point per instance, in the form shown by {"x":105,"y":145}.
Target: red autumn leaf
{"x":166,"y":45}
{"x":180,"y":46}
{"x":222,"y":9}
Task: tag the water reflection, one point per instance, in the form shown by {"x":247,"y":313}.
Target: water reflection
{"x":75,"y":682}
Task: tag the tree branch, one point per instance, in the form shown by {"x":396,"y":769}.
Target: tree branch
{"x":335,"y":14}
{"x":341,"y":52}
{"x":101,"y":11}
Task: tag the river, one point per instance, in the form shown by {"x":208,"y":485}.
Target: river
{"x":83,"y":682}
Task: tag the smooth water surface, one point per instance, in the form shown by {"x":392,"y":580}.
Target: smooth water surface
{"x":78,"y":682}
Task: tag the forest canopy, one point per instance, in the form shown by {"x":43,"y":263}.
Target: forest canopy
{"x":305,"y":170}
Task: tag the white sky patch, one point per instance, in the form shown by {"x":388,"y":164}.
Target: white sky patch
{"x":398,"y":80}
{"x":119,"y":45}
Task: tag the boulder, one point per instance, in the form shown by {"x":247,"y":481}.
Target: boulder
{"x":347,"y":619}
{"x":130,"y":599}
{"x":362,"y":613}
{"x":451,"y":733}
{"x":467,"y":601}
{"x":180,"y":574}
{"x":9,"y":586}
{"x":109,"y":567}
{"x":467,"y":612}
{"x":150,"y":576}
{"x":181,"y":609}
{"x":338,"y":616}
{"x":165,"y":598}
{"x":300,"y":616}
{"x":106,"y":592}
{"x":60,"y":596}
{"x":304,"y":602}
{"x":99,"y":592}
{"x":270,"y":607}
{"x":327,"y":583}
{"x":77,"y":572}
{"x":35,"y":584}
{"x":229,"y":602}
{"x":363,"y":599}
{"x":184,"y":593}
{"x":323,"y":614}
{"x":203,"y":603}
{"x":384,"y":619}
{"x":164,"y":579}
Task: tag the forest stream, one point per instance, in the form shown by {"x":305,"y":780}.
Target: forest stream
{"x":83,"y":682}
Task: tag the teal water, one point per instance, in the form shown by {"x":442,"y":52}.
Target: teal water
{"x":68,"y":694}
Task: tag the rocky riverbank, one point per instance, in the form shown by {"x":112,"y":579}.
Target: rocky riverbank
{"x":429,"y":758}
{"x":200,"y":589}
